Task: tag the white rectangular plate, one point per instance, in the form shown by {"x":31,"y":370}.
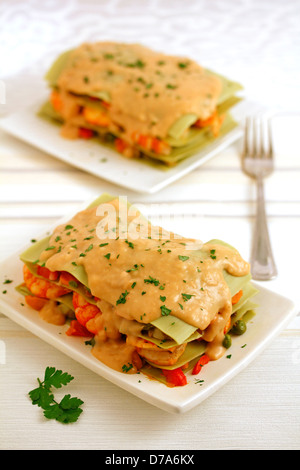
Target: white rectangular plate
{"x":273,"y":314}
{"x":107,"y":164}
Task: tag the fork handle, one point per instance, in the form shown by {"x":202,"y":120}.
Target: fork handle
{"x":263,"y":266}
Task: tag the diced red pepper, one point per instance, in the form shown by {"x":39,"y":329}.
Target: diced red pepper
{"x":201,"y":362}
{"x":76,"y":329}
{"x":84,"y":133}
{"x":120,"y":145}
{"x":175,"y":377}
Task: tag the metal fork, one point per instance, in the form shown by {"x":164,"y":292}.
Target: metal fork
{"x":258,"y":163}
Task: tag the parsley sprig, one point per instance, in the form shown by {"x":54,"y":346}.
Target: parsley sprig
{"x":68,"y":409}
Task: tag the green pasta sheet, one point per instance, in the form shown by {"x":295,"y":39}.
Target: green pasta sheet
{"x":229,"y":87}
{"x":249,"y":291}
{"x":65,"y":301}
{"x":46,"y":111}
{"x":202,"y":138}
{"x":180,"y":126}
{"x":174,"y":327}
{"x":181,"y":133}
{"x":192,"y":351}
{"x":57,"y":67}
{"x":242,"y":313}
{"x":167,"y":344}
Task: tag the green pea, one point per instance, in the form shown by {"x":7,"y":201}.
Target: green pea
{"x":239,"y":328}
{"x":227,"y":341}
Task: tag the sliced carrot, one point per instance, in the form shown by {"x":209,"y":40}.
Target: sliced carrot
{"x":236,"y":297}
{"x":151,"y":143}
{"x":227,"y":326}
{"x":175,"y":377}
{"x":96,"y":116}
{"x":56,"y":101}
{"x":160,"y":147}
{"x":76,"y":329}
{"x":35,"y":302}
{"x":215,"y":121}
{"x":206,"y":122}
{"x":145,"y":141}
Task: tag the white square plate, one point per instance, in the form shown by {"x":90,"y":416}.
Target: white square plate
{"x":273,"y":314}
{"x":107,"y":164}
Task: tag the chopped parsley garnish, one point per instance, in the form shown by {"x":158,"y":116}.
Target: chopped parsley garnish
{"x":50,"y":248}
{"x":138,"y":63}
{"x":151,"y":280}
{"x":122,"y":298}
{"x":73,"y":284}
{"x":107,"y":256}
{"x":103,"y":244}
{"x":165,"y":311}
{"x":170,"y":86}
{"x":183,"y":65}
{"x":212,"y":254}
{"x":68,"y":227}
{"x":134,"y":268}
{"x":187,"y":297}
{"x":162,"y":298}
{"x":127,"y":368}
{"x":89,"y":248}
{"x":183,"y":258}
{"x":130,"y":244}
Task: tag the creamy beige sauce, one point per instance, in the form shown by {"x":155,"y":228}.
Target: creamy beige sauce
{"x":51,"y":313}
{"x":148,"y":90}
{"x":143,"y":278}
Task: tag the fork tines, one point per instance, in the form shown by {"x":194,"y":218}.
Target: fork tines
{"x":258,"y":138}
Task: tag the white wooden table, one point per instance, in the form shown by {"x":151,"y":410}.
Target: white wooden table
{"x":260,"y":407}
